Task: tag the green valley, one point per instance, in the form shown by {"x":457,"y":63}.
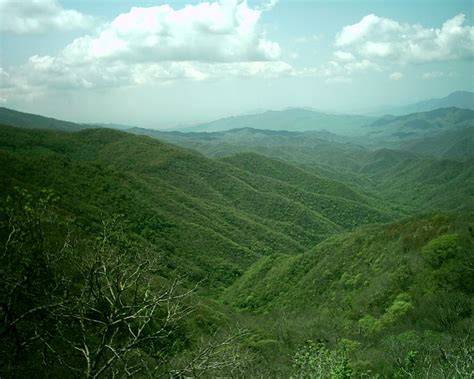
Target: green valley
{"x":302,"y":245}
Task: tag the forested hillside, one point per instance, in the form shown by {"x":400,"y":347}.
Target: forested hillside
{"x":262,"y":254}
{"x":221,"y":215}
{"x":380,"y":292}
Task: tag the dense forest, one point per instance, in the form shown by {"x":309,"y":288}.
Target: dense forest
{"x":256,"y":246}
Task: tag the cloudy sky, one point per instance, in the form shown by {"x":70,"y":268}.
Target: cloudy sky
{"x":161,"y":63}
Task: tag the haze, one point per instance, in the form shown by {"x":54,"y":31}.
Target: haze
{"x":162,"y":64}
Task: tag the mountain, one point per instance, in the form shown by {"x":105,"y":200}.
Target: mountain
{"x":420,"y":183}
{"x":377,"y":293}
{"x":33,"y":121}
{"x":409,"y":174}
{"x":294,"y":119}
{"x":109,"y":126}
{"x":446,"y":130}
{"x":321,"y":147}
{"x":212,"y":213}
{"x":452,"y":144}
{"x":391,"y":129}
{"x":458,"y":99}
{"x":327,"y":252}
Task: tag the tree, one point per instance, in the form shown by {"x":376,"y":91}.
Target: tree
{"x":92,"y":307}
{"x":31,"y":283}
{"x":314,"y":360}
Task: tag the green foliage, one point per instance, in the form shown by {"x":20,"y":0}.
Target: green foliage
{"x":371,"y":284}
{"x":94,"y":307}
{"x":212,"y":219}
{"x":441,"y":249}
{"x":451,"y":258}
{"x":314,"y":360}
{"x":277,"y":249}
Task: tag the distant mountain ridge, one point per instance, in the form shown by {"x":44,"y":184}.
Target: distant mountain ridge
{"x":294,"y":119}
{"x":34,"y":121}
{"x":302,"y":135}
{"x":458,"y":99}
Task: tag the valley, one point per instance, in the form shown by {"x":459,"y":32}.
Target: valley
{"x":354,"y":249}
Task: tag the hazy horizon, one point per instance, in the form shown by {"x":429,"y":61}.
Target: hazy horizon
{"x":164,"y":64}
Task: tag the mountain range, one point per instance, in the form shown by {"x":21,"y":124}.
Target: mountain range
{"x":458,"y":99}
{"x":346,"y":240}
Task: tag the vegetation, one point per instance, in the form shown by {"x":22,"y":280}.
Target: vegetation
{"x":273,"y":254}
{"x":374,"y":287}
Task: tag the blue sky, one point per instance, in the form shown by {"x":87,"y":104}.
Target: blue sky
{"x":164,"y":63}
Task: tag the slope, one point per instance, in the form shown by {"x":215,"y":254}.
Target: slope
{"x":390,"y":129}
{"x":419,"y":183}
{"x":383,"y":289}
{"x":214,"y":218}
{"x":452,"y":144}
{"x":33,"y":121}
{"x":459,"y":99}
{"x":295,"y":119}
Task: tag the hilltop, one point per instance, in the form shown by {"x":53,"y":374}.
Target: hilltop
{"x":458,"y":99}
{"x":211,"y":213}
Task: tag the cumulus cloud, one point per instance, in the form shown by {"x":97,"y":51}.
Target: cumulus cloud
{"x":43,"y":74}
{"x":38,"y":16}
{"x":344,"y":55}
{"x":381,"y":38}
{"x":206,"y":41}
{"x":339,"y":71}
{"x":225,"y":31}
{"x":396,"y":75}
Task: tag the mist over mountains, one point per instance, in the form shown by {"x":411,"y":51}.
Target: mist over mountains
{"x":458,"y":99}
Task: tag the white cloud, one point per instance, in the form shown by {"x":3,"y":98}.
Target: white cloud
{"x":38,"y":16}
{"x":361,"y":66}
{"x":207,"y":41}
{"x":344,"y":55}
{"x":269,"y":4}
{"x":381,"y":38}
{"x":339,"y":71}
{"x":396,"y":75}
{"x":432,"y":75}
{"x":225,"y":31}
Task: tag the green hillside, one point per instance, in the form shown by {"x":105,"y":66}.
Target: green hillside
{"x":206,"y":211}
{"x":422,"y":124}
{"x":415,"y":179}
{"x":320,"y":148}
{"x":33,"y":121}
{"x":297,"y":244}
{"x":452,"y":144}
{"x":381,"y":290}
{"x":419,"y":183}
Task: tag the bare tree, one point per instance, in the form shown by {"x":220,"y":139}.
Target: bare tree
{"x":94,"y":308}
{"x":216,"y":355}
{"x":121,"y":312}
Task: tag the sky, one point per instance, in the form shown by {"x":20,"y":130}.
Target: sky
{"x":169,"y":63}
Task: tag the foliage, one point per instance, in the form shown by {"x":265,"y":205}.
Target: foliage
{"x":227,"y":267}
{"x":314,"y":360}
{"x":91,"y":308}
